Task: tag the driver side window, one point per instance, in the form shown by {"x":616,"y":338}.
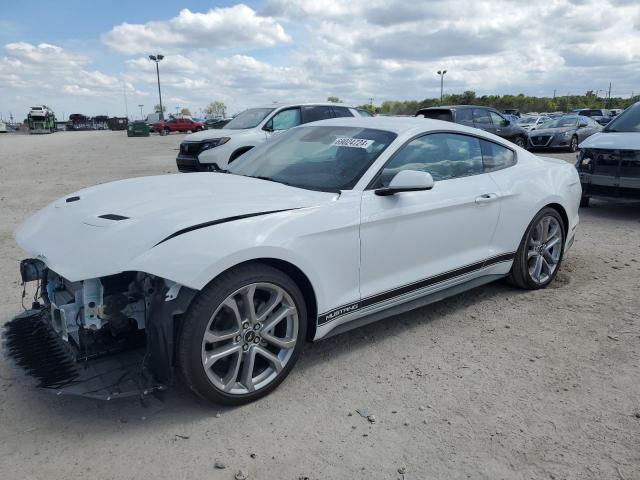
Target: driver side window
{"x":285,"y":119}
{"x":443,"y":155}
{"x":497,"y":120}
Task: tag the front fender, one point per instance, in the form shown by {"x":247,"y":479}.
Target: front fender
{"x":195,"y":268}
{"x":322,"y":242}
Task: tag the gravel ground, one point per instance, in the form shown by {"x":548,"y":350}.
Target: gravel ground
{"x":496,"y":383}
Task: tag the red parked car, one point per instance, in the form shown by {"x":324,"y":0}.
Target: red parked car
{"x":178,"y":125}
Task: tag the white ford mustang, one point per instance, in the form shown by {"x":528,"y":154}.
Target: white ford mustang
{"x":327,"y":227}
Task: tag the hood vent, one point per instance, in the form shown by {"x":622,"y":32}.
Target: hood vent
{"x":113,"y":216}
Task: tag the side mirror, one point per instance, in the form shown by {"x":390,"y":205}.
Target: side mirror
{"x":268,"y":127}
{"x":505,"y":122}
{"x":407,"y":181}
{"x":583,"y":124}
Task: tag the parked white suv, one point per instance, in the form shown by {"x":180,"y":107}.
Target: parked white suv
{"x":215,"y":149}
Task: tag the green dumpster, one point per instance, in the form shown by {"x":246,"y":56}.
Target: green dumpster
{"x":138,"y":129}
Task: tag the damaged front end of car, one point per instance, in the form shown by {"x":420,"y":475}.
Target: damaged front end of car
{"x":103,"y":337}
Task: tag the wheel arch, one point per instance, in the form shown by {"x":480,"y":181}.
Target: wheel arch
{"x":563,"y":214}
{"x":298,"y":276}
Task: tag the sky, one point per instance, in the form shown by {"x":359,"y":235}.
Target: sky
{"x":92,"y":57}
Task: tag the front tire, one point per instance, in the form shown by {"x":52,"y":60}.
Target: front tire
{"x":521,"y":142}
{"x":242,"y":335}
{"x":540,"y":253}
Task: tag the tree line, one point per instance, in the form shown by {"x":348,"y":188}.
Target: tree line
{"x":521,"y":102}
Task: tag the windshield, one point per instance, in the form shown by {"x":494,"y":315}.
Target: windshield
{"x":560,"y":122}
{"x":591,"y":113}
{"x":324,"y":158}
{"x":248,"y":119}
{"x":527,"y":120}
{"x":627,"y":121}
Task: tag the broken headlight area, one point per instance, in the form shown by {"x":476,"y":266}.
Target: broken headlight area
{"x":102,"y":337}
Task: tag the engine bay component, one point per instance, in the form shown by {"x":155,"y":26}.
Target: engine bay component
{"x":67,"y":340}
{"x":42,"y":353}
{"x":32,"y":269}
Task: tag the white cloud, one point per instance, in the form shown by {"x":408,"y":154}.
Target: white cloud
{"x":238,"y":26}
{"x":52,"y":75}
{"x":355,"y":49}
{"x":392,"y":49}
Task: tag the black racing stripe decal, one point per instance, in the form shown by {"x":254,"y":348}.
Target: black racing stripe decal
{"x":217,"y":222}
{"x":427,"y":282}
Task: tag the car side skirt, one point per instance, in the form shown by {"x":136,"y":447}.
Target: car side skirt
{"x":406,"y":306}
{"x":344,"y":316}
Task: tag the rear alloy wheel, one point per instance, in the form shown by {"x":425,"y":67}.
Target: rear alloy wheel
{"x":238,"y":343}
{"x":573,"y":146}
{"x":540,"y":253}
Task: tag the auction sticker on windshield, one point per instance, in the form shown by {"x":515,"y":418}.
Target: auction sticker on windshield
{"x":352,"y":142}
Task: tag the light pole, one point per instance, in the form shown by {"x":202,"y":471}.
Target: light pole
{"x":141,"y":111}
{"x":158,"y":58}
{"x":441,"y":73}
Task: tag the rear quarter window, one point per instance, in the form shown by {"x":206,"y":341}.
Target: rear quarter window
{"x":342,"y":112}
{"x":496,"y":157}
{"x":445,"y":115}
{"x":315,"y":113}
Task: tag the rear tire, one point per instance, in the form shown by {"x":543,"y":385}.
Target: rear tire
{"x":573,"y":146}
{"x":167,"y":131}
{"x":540,"y":253}
{"x":242,"y":335}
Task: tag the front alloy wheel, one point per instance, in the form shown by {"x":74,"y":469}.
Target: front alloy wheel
{"x":521,"y":142}
{"x":242,"y":335}
{"x":250,"y":338}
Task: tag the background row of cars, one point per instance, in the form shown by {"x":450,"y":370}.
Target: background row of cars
{"x":205,"y":151}
{"x":608,"y":163}
{"x":564,"y":131}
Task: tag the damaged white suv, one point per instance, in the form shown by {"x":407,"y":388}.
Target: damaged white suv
{"x":221,"y":277}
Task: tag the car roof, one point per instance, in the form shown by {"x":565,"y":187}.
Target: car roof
{"x":403,"y":126}
{"x":303,"y":104}
{"x":459,"y":107}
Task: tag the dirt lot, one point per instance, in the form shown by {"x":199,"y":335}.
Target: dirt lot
{"x":492,"y":384}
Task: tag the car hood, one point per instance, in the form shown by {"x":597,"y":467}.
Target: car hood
{"x":74,"y":239}
{"x":613,"y":140}
{"x":213,"y":133}
{"x":551,"y":131}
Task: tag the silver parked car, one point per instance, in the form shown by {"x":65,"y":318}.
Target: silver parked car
{"x":532,"y":122}
{"x":564,"y":132}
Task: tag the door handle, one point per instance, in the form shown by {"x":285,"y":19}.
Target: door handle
{"x":486,"y":198}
